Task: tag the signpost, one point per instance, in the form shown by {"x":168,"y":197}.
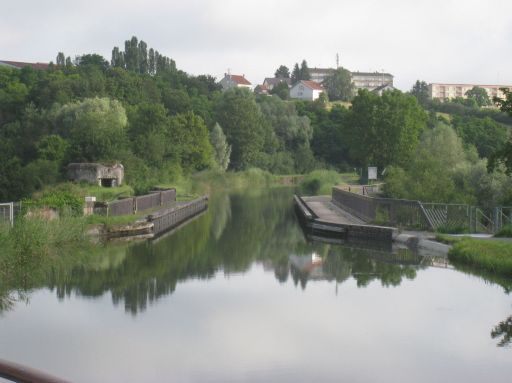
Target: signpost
{"x":372,"y":173}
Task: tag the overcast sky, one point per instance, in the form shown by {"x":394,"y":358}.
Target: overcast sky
{"x":468,"y":41}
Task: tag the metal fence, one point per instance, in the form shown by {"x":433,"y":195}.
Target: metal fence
{"x":421,"y":215}
{"x":145,"y":202}
{"x":9,"y":212}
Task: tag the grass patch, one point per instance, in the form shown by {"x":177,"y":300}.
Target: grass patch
{"x":81,"y":190}
{"x":491,"y":256}
{"x":447,"y":239}
{"x":505,"y":232}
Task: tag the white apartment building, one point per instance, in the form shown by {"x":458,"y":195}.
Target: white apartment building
{"x":448,"y":91}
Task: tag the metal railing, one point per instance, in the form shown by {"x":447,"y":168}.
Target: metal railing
{"x":9,"y":212}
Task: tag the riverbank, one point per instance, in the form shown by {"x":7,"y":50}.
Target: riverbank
{"x":493,"y":256}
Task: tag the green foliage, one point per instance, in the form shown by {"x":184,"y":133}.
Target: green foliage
{"x":282,"y":71}
{"x":485,"y":134}
{"x":319,"y":182}
{"x":421,"y":92}
{"x":479,"y":95}
{"x":242,"y":121}
{"x":63,"y":201}
{"x":506,"y":231}
{"x":281,"y":90}
{"x":96,"y":128}
{"x":491,"y":256}
{"x":384,"y":129}
{"x":221,"y":149}
{"x":339,"y":85}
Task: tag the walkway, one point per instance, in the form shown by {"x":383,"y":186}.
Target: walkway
{"x":325,"y":210}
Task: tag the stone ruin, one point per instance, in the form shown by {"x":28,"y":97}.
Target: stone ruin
{"x":101,"y":175}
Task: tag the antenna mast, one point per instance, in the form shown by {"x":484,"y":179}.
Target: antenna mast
{"x":337,"y":61}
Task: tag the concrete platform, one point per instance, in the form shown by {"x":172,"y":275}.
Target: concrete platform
{"x":319,"y":214}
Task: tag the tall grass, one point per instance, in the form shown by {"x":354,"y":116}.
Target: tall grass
{"x":488,"y":255}
{"x":319,"y":182}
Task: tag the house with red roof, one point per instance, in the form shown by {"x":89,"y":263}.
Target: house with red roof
{"x":234,"y":81}
{"x":306,"y":90}
{"x":19,"y":65}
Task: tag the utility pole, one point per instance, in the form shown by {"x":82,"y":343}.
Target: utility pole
{"x":337,"y":60}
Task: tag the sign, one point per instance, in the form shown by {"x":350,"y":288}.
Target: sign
{"x":372,"y":172}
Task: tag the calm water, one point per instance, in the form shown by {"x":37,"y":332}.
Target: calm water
{"x":240,"y":296}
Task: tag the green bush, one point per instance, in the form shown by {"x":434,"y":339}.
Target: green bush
{"x":62,"y":201}
{"x":319,"y":182}
{"x":506,"y":231}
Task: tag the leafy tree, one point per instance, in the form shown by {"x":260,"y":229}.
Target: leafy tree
{"x":282,"y":71}
{"x":242,"y":121}
{"x":384,"y":130}
{"x":304,"y":71}
{"x":95,"y":127}
{"x":52,"y":148}
{"x":189,"y":135}
{"x":421,"y":92}
{"x":339,"y":85}
{"x":485,"y":134}
{"x":479,"y":95}
{"x":281,"y":90}
{"x":92,"y":60}
{"x":503,"y":155}
{"x":221,"y":149}
{"x":143,"y":57}
{"x":60,"y":60}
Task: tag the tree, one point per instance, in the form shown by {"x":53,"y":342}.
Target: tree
{"x":485,"y":134}
{"x":282,"y":71}
{"x":282,"y":90}
{"x":304,"y":71}
{"x":92,"y":60}
{"x":94,"y":127}
{"x":242,"y":121}
{"x":143,"y":58}
{"x":503,"y":155}
{"x":421,"y":92}
{"x":189,"y":135}
{"x":221,"y":148}
{"x":339,"y":85}
{"x":384,"y":130}
{"x":479,"y":95}
{"x":296,"y":75}
{"x":60,"y":60}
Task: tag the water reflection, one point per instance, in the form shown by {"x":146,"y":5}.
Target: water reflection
{"x":503,"y":331}
{"x":238,"y":230}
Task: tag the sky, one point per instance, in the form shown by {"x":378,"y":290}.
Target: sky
{"x":456,"y":41}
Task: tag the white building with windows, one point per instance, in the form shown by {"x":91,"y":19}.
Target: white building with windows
{"x":447,"y":91}
{"x":234,"y":81}
{"x":306,"y":90}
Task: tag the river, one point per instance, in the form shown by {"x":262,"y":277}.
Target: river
{"x":239,"y":295}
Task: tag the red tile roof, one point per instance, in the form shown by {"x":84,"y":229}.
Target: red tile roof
{"x":18,"y":64}
{"x":240,"y":80}
{"x":312,"y":85}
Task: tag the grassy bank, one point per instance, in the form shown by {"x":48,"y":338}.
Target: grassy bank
{"x":491,"y":256}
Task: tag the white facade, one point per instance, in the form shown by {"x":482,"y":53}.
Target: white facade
{"x":448,"y":91}
{"x":306,"y":90}
{"x":371,"y":80}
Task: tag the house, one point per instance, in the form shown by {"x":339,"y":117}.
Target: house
{"x":234,"y":81}
{"x":99,"y":174}
{"x":19,"y":65}
{"x":306,"y":90}
{"x":261,"y":89}
{"x":380,"y":89}
{"x":271,"y":82}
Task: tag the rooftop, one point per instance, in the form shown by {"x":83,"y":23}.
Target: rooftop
{"x":19,"y":64}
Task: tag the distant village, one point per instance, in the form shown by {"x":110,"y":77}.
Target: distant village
{"x":311,"y":89}
{"x":376,"y":82}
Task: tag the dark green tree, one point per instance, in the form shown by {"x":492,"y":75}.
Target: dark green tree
{"x":339,"y":85}
{"x":282,"y":90}
{"x":421,"y":92}
{"x":304,"y":71}
{"x":296,"y":74}
{"x":282,"y":71}
{"x":503,"y":155}
{"x":60,"y":60}
{"x":242,"y":121}
{"x":221,"y":148}
{"x":479,"y":95}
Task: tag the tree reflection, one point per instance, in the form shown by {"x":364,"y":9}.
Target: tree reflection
{"x":503,"y":330}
